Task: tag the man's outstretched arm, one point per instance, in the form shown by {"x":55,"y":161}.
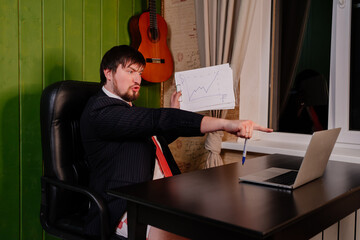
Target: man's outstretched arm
{"x":240,"y":128}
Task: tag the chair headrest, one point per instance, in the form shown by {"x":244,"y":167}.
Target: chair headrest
{"x":61,"y":107}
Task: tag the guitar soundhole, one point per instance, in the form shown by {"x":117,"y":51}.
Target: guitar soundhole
{"x":153,"y":34}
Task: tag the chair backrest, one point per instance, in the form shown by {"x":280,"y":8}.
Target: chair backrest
{"x":61,"y":107}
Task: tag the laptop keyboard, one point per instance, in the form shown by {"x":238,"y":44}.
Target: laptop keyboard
{"x":286,"y":178}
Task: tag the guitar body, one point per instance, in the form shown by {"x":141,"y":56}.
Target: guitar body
{"x":159,"y":62}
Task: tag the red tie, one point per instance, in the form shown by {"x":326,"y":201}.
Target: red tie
{"x":162,"y":161}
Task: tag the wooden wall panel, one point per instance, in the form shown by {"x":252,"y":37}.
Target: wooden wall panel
{"x":9,"y":121}
{"x":73,"y":39}
{"x":92,"y":38}
{"x":53,"y":49}
{"x":109,"y":32}
{"x":53,"y":41}
{"x":126,"y":9}
{"x":42,"y":42}
{"x":30,"y":80}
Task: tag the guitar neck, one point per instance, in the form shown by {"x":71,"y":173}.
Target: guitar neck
{"x":152,"y":12}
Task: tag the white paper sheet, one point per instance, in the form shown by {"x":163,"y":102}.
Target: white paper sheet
{"x":209,"y":88}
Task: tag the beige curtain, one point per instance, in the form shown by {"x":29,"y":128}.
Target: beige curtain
{"x":223,"y":28}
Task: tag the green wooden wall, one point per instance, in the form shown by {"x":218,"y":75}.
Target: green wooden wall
{"x":41,"y":42}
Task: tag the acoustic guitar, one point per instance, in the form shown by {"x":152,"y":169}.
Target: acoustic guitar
{"x":149,"y":35}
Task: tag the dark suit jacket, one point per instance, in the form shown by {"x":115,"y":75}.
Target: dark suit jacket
{"x":118,"y":146}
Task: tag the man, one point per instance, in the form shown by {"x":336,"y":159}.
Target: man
{"x":117,"y":136}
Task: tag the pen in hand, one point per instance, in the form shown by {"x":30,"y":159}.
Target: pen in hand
{"x":244,"y":152}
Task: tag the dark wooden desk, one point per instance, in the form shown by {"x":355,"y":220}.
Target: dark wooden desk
{"x":212,"y":204}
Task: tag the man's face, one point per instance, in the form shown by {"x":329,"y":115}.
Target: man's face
{"x":125,"y":82}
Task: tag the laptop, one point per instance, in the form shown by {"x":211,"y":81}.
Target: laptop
{"x":313,"y":165}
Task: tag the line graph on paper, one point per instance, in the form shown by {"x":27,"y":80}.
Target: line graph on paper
{"x":206,"y":88}
{"x":196,"y":91}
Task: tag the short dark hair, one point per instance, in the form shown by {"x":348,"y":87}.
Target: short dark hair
{"x":124,"y":55}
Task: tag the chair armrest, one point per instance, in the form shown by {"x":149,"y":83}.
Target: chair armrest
{"x":94,"y":197}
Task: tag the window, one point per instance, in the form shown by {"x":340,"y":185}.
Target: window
{"x":301,"y":66}
{"x":344,"y":83}
{"x":354,"y":121}
{"x":331,"y":64}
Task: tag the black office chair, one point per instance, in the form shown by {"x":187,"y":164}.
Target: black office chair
{"x":65,"y":198}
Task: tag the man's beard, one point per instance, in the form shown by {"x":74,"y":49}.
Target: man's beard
{"x":129,"y":96}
